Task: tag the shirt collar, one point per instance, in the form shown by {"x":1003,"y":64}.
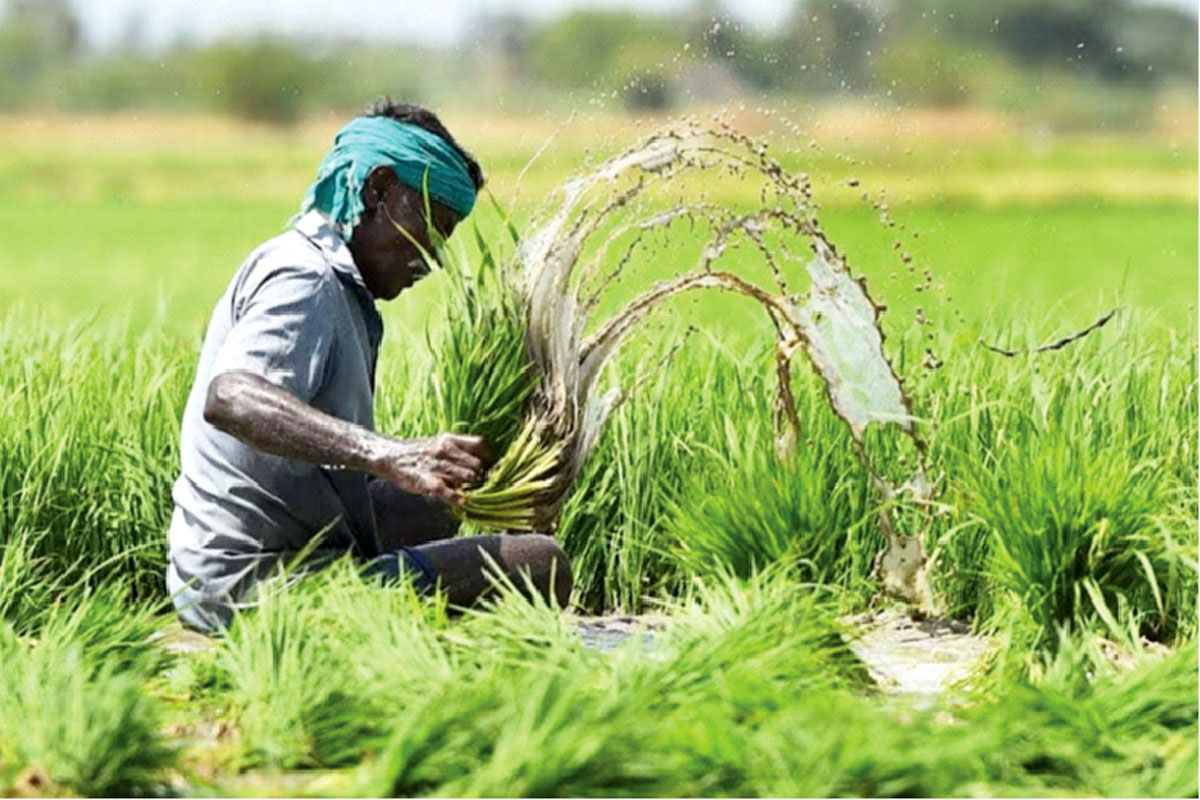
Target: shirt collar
{"x":318,"y":229}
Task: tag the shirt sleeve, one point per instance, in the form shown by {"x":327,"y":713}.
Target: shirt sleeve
{"x":283,"y":331}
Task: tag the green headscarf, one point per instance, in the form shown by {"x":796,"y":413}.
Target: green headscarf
{"x":421,"y":159}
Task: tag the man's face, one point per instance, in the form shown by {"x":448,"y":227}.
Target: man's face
{"x":387,"y":243}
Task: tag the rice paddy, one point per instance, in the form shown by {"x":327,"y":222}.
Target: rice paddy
{"x":1062,"y":520}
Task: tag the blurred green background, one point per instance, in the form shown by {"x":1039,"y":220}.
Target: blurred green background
{"x":1039,"y":156}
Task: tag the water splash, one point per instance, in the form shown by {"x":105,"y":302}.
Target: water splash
{"x":579,"y":248}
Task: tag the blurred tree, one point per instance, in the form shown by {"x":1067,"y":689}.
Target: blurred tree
{"x":752,"y":58}
{"x":648,"y":91}
{"x":264,"y":80}
{"x":124,"y":82}
{"x":1114,"y":39}
{"x":829,"y":43}
{"x":608,"y":50}
{"x":1075,"y":32}
{"x":1015,"y":54}
{"x":1156,"y":41}
{"x":36,"y":37}
{"x":1080,"y":64}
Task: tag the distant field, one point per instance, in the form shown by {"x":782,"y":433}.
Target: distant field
{"x":136,"y":217}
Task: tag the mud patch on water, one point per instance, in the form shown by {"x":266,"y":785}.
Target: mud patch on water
{"x":608,"y":633}
{"x":917,"y":658}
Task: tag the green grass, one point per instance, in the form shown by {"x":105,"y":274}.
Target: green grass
{"x":76,"y":713}
{"x":91,"y":448}
{"x":1066,"y":521}
{"x":750,"y":692}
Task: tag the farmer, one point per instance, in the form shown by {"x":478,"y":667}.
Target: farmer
{"x":278,"y":443}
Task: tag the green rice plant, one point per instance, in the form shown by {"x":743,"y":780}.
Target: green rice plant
{"x":1078,"y":498}
{"x":748,"y":509}
{"x":91,"y":416}
{"x":765,"y":625}
{"x":1066,"y":520}
{"x":109,"y":626}
{"x":324,"y":671}
{"x":509,"y":700}
{"x":91,"y":730}
{"x":686,"y":481}
{"x":27,"y":586}
{"x":1033,"y":442}
{"x":750,"y":692}
{"x":317,"y":668}
{"x":616,"y":527}
{"x":73,"y":705}
{"x":482,"y":377}
{"x":1119,"y":732}
{"x":1072,"y":731}
{"x":548,"y":716}
{"x":289,"y":684}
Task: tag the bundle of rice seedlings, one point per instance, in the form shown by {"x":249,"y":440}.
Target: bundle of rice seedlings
{"x":484,"y":377}
{"x":565,"y":412}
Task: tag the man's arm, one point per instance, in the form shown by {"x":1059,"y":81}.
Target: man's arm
{"x":272,"y":419}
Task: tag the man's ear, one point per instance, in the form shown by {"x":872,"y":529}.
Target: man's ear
{"x":380,"y":181}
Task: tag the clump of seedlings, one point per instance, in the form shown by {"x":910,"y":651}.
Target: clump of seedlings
{"x":577,"y":250}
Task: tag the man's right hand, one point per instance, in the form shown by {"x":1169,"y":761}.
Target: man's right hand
{"x":439,"y":467}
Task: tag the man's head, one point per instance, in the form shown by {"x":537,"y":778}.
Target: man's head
{"x":385,"y":170}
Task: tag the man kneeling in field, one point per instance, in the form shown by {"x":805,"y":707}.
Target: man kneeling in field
{"x":278,"y":444}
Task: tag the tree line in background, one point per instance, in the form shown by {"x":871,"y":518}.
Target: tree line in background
{"x":1091,"y":63}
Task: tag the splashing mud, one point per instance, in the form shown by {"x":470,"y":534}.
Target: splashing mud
{"x":597,"y":231}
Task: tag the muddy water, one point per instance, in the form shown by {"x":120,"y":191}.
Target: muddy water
{"x":918,"y":660}
{"x":608,"y":633}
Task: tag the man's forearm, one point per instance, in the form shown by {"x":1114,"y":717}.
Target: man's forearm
{"x":272,"y":419}
{"x":269,"y":418}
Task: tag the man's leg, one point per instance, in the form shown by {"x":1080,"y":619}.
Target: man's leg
{"x":405,"y":520}
{"x":461,"y":566}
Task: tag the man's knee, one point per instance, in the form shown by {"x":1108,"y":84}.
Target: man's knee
{"x":542,"y":558}
{"x":462,"y":566}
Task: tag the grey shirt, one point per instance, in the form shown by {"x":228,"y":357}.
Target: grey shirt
{"x":298,"y":314}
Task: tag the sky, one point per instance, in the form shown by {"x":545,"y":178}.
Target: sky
{"x":162,"y":22}
{"x":443,"y":22}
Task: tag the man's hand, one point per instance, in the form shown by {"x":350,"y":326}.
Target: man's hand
{"x":438,"y":467}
